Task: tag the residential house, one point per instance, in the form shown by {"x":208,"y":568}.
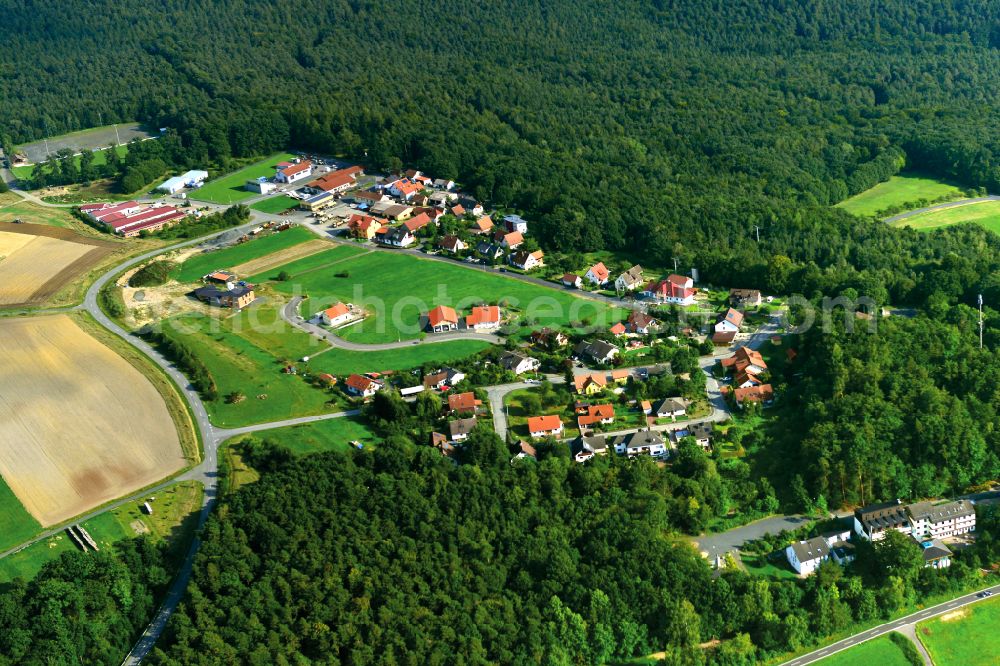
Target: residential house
{"x":518,"y":363}
{"x":940,"y":521}
{"x":404,"y":188}
{"x":598,"y":274}
{"x":746,"y":379}
{"x":393,"y":211}
{"x":461,"y":428}
{"x":744,"y":298}
{"x":364,"y":226}
{"x":545,"y":426}
{"x":549,"y":338}
{"x":441,"y":443}
{"x":443,"y":184}
{"x":221,"y":277}
{"x":527,"y":261}
{"x":525,"y":450}
{"x":367,"y":198}
{"x":334,"y":182}
{"x":643,"y":442}
{"x":590,"y":415}
{"x":620,"y":377}
{"x":586,"y":447}
{"x":237,"y":297}
{"x":746,"y":359}
{"x":489,"y":251}
{"x":362,"y":386}
{"x":646,"y":407}
{"x":512,"y":241}
{"x":873,"y":521}
{"x":936,"y":554}
{"x":729,"y":321}
{"x":336,"y":314}
{"x":618,"y":330}
{"x":515,"y":223}
{"x":641,"y":323}
{"x":395,"y":236}
{"x":598,"y":351}
{"x":572,"y":280}
{"x":484,"y":318}
{"x":463,"y":403}
{"x":417,"y":222}
{"x":676,"y":289}
{"x":702,"y":433}
{"x":806,"y":556}
{"x":451,"y":244}
{"x":482,"y":226}
{"x":763,"y":394}
{"x":671,"y":408}
{"x":443,"y":377}
{"x":590,"y":384}
{"x":293,"y":173}
{"x":630,"y":280}
{"x":442,"y":198}
{"x":442,"y":318}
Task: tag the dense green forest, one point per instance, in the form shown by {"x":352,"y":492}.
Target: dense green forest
{"x":398,"y":556}
{"x":674,"y":127}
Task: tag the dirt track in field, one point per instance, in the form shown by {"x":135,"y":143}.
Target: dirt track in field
{"x":275,"y":259}
{"x":38,"y":260}
{"x":79,"y":426}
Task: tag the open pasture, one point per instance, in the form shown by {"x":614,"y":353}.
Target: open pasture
{"x":241,"y":255}
{"x":986,"y":214}
{"x":903,"y":190}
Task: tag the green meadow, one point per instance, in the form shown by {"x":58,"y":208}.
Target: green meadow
{"x":229,"y":188}
{"x":898,"y":191}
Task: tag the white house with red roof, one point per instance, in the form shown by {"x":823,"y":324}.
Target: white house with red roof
{"x":483,"y":318}
{"x":364,"y":387}
{"x":545,"y":426}
{"x":676,"y":289}
{"x":293,"y":173}
{"x":442,"y":319}
{"x":598,"y":274}
{"x":729,"y":321}
{"x":336,"y":314}
{"x":527,"y":261}
{"x":404,"y":188}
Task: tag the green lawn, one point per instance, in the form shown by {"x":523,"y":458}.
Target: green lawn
{"x":761,"y":566}
{"x":334,"y":255}
{"x":229,"y":189}
{"x":399,"y":288}
{"x":339,"y":362}
{"x":16,"y":524}
{"x":879,"y":651}
{"x":329,"y":435}
{"x":201,"y":264}
{"x":275,"y":204}
{"x":898,"y":191}
{"x":174,"y":518}
{"x":986,"y":214}
{"x":967,"y":640}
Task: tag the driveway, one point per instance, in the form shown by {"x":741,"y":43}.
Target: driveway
{"x":717,"y":545}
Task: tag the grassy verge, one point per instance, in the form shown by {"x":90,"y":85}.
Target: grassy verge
{"x":329,"y":435}
{"x":174,"y":520}
{"x":966,"y":637}
{"x":16,"y":524}
{"x":882,"y":651}
{"x":986,"y":214}
{"x":180,"y":413}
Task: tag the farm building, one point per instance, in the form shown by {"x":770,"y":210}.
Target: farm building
{"x":293,"y":173}
{"x":260,"y":185}
{"x":190,"y":179}
{"x":130,"y":218}
{"x":318,"y":202}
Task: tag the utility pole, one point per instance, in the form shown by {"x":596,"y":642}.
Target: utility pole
{"x":675,"y":264}
{"x":980,"y":299}
{"x":757,"y":229}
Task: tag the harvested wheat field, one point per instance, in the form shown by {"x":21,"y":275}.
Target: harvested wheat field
{"x":37,"y":260}
{"x":79,"y":426}
{"x":275,"y":259}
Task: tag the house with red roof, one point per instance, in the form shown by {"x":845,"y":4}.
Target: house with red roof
{"x":335,"y":182}
{"x":365,"y":226}
{"x":763,"y":394}
{"x":451,"y":244}
{"x":641,"y":323}
{"x":336,"y":314}
{"x":482,"y":226}
{"x":618,"y":329}
{"x":483,"y":318}
{"x":545,"y":426}
{"x":404,"y":188}
{"x":457,"y":210}
{"x":513,"y":240}
{"x":442,"y":318}
{"x":362,"y":386}
{"x":527,"y":261}
{"x":598,"y":274}
{"x":463,"y":403}
{"x":676,"y":289}
{"x":417,"y":222}
{"x":572,"y":280}
{"x":589,"y":415}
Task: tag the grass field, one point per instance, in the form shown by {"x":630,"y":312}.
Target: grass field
{"x":201,"y":264}
{"x":329,"y":435}
{"x":986,"y":214}
{"x":965,"y":637}
{"x":761,"y":566}
{"x":174,"y":519}
{"x":275,"y":204}
{"x":59,"y":380}
{"x":100,"y":158}
{"x":328,"y":258}
{"x":879,"y":651}
{"x":398,"y":288}
{"x":898,"y":191}
{"x":16,"y":524}
{"x":229,"y":189}
{"x":18,"y":208}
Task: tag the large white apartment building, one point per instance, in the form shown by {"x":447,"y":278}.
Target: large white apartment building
{"x":940,"y":521}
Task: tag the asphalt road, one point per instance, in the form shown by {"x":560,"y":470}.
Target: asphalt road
{"x":882,"y":629}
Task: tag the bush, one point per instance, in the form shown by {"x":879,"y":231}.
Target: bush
{"x":909,"y":650}
{"x":152,"y":275}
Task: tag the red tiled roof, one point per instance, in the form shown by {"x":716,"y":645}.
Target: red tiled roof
{"x":332,"y":181}
{"x":513,"y":238}
{"x":296,"y":168}
{"x":544,"y":423}
{"x":463,"y":402}
{"x":618,"y":329}
{"x":483,"y":314}
{"x":359,"y":383}
{"x":458,"y":210}
{"x":336,"y":311}
{"x":418,"y":222}
{"x":582,"y":380}
{"x":484,"y":223}
{"x":441,"y":314}
{"x":754,"y":393}
{"x":600,"y":271}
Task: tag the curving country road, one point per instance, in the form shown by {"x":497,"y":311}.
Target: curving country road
{"x":941,"y":206}
{"x":895,"y":625}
